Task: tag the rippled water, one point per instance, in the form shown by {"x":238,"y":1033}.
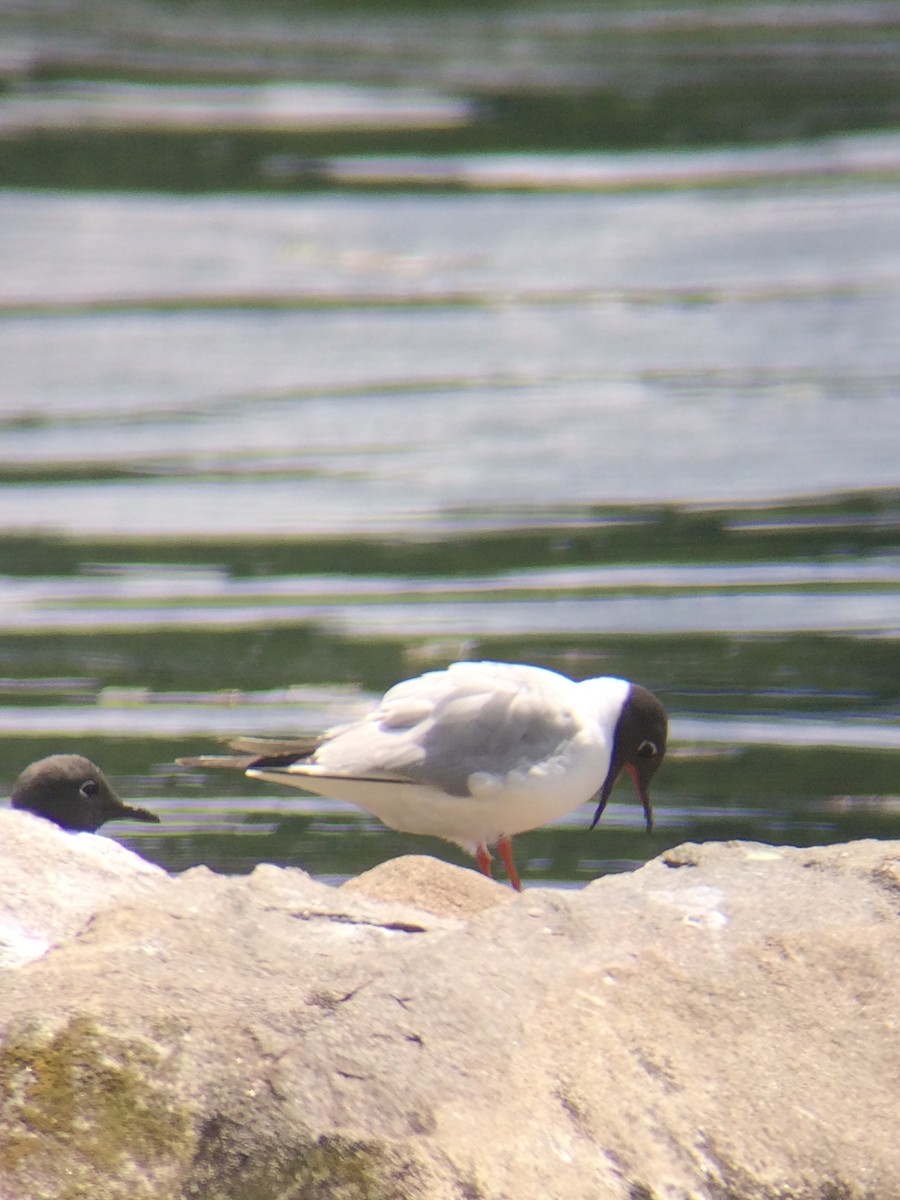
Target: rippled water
{"x":263,"y":455}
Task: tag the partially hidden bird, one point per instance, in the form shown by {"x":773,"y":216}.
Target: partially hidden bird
{"x":73,"y":792}
{"x":474,"y":753}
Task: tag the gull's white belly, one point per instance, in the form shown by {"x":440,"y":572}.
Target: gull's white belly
{"x":497,"y":805}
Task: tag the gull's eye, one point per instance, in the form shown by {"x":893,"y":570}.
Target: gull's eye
{"x":89,"y":788}
{"x":647,"y":749}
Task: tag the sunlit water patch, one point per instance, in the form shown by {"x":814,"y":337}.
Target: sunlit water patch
{"x":321,"y":365}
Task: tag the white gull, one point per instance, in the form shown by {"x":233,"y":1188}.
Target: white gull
{"x":475,"y":753}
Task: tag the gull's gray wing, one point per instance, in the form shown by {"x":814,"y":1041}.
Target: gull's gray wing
{"x":445,"y":726}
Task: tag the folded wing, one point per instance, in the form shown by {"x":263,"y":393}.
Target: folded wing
{"x":443,"y":728}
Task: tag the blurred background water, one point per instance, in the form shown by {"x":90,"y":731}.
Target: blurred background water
{"x":341,"y":343}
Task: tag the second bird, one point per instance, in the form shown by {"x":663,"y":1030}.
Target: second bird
{"x":73,"y":792}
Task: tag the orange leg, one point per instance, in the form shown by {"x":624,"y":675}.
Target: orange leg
{"x":504,"y":845}
{"x":483,"y":858}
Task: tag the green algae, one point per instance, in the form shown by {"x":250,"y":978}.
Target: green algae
{"x":338,"y":1168}
{"x":231,"y":1162}
{"x":88,"y":1113}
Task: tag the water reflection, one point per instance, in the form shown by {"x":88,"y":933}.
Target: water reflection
{"x":307,"y":107}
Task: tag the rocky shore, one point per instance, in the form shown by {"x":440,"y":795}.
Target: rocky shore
{"x":723,"y":1024}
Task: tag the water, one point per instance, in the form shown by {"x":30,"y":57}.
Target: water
{"x":265,"y":452}
{"x":704,"y":346}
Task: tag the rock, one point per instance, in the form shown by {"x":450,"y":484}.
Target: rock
{"x":722,"y":1023}
{"x":431,"y":884}
{"x":52,"y":882}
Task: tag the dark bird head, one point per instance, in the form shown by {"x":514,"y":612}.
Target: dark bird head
{"x":74,"y":793}
{"x":639,"y":743}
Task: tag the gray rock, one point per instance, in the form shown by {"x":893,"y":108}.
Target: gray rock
{"x":723,"y":1023}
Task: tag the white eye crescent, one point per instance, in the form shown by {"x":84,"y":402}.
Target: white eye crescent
{"x":647,"y":749}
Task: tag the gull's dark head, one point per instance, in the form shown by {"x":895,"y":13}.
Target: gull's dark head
{"x":639,"y":744}
{"x":73,"y":792}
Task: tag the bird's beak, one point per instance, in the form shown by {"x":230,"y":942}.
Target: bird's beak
{"x":605,"y":794}
{"x":132,"y":812}
{"x":642,"y":791}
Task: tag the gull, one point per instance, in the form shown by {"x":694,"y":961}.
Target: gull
{"x":474,"y":753}
{"x":73,"y":792}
